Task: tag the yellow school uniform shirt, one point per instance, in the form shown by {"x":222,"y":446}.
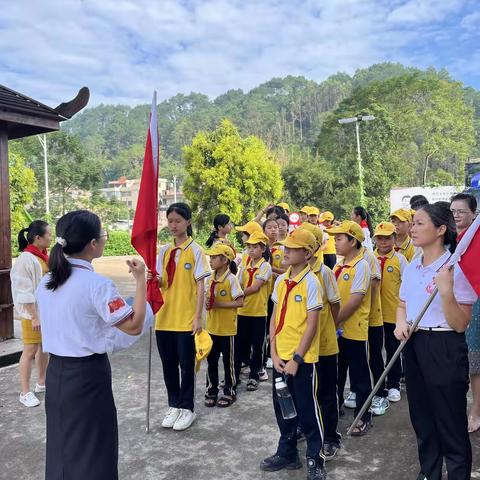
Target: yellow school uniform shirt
{"x":245,"y":259}
{"x":393,"y":268}
{"x":328,"y":344}
{"x":375,"y":318}
{"x":255,"y":305}
{"x":178,"y":311}
{"x":355,"y":279}
{"x":304,"y":297}
{"x":407,"y":249}
{"x":277,"y":254}
{"x":330,"y":248}
{"x":223,"y":321}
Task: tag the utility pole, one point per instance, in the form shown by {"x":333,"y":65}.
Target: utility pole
{"x":174,"y":189}
{"x":43,"y":141}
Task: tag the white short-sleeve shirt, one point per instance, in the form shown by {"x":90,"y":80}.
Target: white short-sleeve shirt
{"x":418,"y":283}
{"x":78,"y":318}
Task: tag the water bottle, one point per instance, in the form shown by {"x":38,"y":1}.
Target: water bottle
{"x":285,"y":399}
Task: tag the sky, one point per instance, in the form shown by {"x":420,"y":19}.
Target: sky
{"x":123,"y":50}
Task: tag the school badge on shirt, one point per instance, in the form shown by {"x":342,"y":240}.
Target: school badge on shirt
{"x":298,"y":298}
{"x":390,"y":269}
{"x":188,"y":266}
{"x":116,"y":304}
{"x":346,"y":277}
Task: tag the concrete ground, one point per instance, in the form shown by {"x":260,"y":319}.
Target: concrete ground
{"x":222,"y":444}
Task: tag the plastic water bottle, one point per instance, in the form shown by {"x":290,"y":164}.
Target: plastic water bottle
{"x":285,"y":399}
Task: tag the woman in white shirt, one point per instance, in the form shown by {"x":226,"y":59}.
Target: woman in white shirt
{"x":362,"y":217}
{"x":27,"y":271}
{"x":79,"y":313}
{"x":436,"y":357}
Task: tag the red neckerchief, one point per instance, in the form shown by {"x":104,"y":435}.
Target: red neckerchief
{"x":364,"y":224}
{"x":171,"y":266}
{"x":43,"y":254}
{"x":251,"y":274}
{"x":211,"y":298}
{"x":340,"y":269}
{"x":290,"y":284}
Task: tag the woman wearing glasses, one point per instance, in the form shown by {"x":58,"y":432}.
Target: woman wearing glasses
{"x":79,"y":314}
{"x":464,"y":206}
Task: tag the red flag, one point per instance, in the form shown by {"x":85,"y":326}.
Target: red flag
{"x":145,"y":223}
{"x":469,"y":250}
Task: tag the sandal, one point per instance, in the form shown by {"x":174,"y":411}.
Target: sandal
{"x":210,"y":401}
{"x":226,"y":401}
{"x":362,"y":428}
{"x":252,"y":385}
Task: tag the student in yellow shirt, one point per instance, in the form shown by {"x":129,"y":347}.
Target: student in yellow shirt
{"x":329,"y":254}
{"x":304,"y":212}
{"x":254,"y":280}
{"x":283,"y":224}
{"x":246,"y":230}
{"x":182,"y":268}
{"x":402,"y":219}
{"x":392,"y":265}
{"x":294,"y":344}
{"x":353,"y":278}
{"x":223,"y":297}
{"x":313,"y":215}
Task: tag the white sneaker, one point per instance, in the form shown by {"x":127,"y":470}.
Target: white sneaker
{"x":29,"y":400}
{"x":40,"y":388}
{"x":171,"y":417}
{"x":269,"y":363}
{"x":394,"y":395}
{"x":351,"y":400}
{"x":263,"y":375}
{"x":185,"y":419}
{"x":379,"y":405}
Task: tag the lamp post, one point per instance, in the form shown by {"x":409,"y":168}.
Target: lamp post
{"x":357,"y":120}
{"x":43,"y":141}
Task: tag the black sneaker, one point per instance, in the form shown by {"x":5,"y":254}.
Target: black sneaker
{"x":330,"y":450}
{"x":315,"y":470}
{"x":276,"y":463}
{"x":300,"y":435}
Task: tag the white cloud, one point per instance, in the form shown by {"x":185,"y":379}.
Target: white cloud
{"x":123,"y":49}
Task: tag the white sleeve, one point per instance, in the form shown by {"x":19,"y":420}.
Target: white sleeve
{"x":463,"y":291}
{"x":403,"y":263}
{"x":109,"y":304}
{"x":160,"y":260}
{"x":314,"y":293}
{"x":361,"y":280}
{"x":274,"y":295}
{"x":264,"y":272}
{"x":201,"y":268}
{"x":235,"y":288}
{"x":331,"y":287}
{"x":22,"y":277}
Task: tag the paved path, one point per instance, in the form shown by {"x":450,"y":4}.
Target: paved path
{"x":223,"y":444}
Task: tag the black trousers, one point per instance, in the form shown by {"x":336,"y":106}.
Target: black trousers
{"x":327,"y":396}
{"x":82,"y":432}
{"x":330,"y":260}
{"x":391,"y":345}
{"x":221,"y":345}
{"x":353,"y":358}
{"x":375,"y":354}
{"x":177,"y":352}
{"x":249,"y":346}
{"x":436,"y":374}
{"x":266,"y":348}
{"x":303,"y":388}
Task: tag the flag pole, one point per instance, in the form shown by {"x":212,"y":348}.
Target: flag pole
{"x":149,"y":377}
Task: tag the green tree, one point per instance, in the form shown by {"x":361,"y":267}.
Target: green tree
{"x":231,"y":174}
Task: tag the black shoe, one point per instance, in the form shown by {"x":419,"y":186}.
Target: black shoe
{"x":330,"y":450}
{"x":300,"y":435}
{"x":276,"y":463}
{"x":315,"y":470}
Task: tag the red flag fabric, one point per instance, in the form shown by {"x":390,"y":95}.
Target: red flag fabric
{"x":470,"y":260}
{"x":145,"y":222}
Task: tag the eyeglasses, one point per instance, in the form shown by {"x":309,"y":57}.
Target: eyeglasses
{"x":104,"y":235}
{"x":460,"y":213}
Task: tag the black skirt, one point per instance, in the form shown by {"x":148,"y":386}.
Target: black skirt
{"x":82,"y":433}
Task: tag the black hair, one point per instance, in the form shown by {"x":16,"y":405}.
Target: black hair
{"x":440,"y":214}
{"x":468,"y":198}
{"x":364,"y":215}
{"x":184,"y":211}
{"x":233,"y":267}
{"x":37,"y":227}
{"x":267,"y":221}
{"x":276,"y":210}
{"x":220,"y":220}
{"x":418,"y":201}
{"x":358,"y":244}
{"x":285,"y":217}
{"x":77,"y":229}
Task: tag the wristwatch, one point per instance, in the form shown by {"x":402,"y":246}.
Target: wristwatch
{"x":298,"y":358}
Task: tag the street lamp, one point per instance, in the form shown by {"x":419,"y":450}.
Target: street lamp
{"x":357,"y":120}
{"x":43,"y":141}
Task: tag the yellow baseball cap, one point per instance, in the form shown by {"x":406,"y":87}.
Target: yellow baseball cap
{"x":257,"y":237}
{"x":348,"y":227}
{"x":314,"y":211}
{"x":327,"y":216}
{"x":203,"y":345}
{"x":301,"y":238}
{"x":316,"y":231}
{"x":284,"y":206}
{"x":305,"y":209}
{"x":385,"y":229}
{"x":221,"y":249}
{"x":249,"y":227}
{"x":402,"y":214}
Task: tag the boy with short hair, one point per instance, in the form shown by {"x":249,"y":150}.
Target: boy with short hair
{"x":402,"y":220}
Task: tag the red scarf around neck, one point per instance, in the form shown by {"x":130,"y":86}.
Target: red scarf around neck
{"x":43,"y":254}
{"x":364,"y":224}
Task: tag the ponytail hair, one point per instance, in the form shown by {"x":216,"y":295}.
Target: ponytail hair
{"x":364,"y":215}
{"x":440,"y":214}
{"x":74,"y":231}
{"x":220,"y":220}
{"x":233,"y":267}
{"x":36,"y":228}
{"x":184,"y":211}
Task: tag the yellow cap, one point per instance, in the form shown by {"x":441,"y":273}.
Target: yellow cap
{"x":385,"y":229}
{"x":249,"y":227}
{"x":402,"y":214}
{"x":305,"y":209}
{"x":284,"y":206}
{"x":221,"y":249}
{"x":412,"y":212}
{"x":327,"y":216}
{"x":257,"y":237}
{"x":316,"y":231}
{"x":348,"y":227}
{"x":203,"y":345}
{"x":301,"y":238}
{"x":314,"y":211}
